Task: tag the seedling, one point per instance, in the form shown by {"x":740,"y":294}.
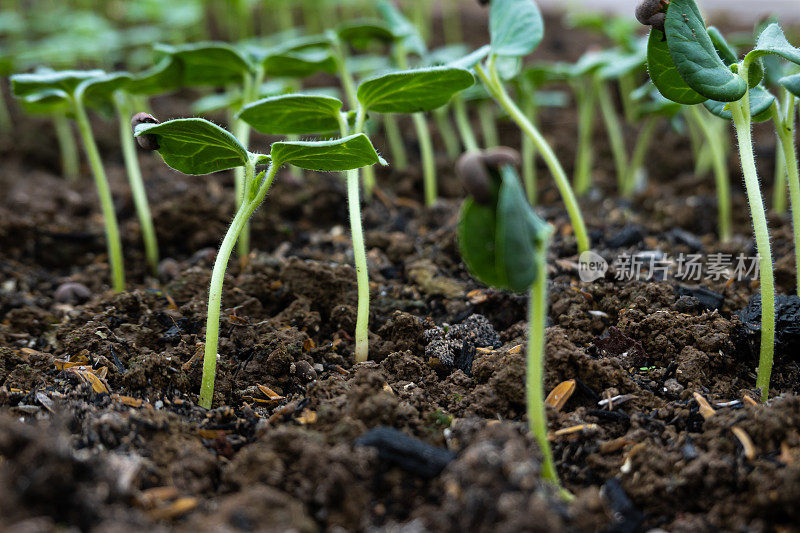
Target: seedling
{"x":196,"y":146}
{"x":504,"y":245}
{"x":302,"y":114}
{"x":516,"y":28}
{"x":688,"y":67}
{"x":69,"y":87}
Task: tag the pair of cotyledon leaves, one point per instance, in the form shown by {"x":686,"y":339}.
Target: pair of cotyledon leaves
{"x":692,"y":63}
{"x":196,"y":146}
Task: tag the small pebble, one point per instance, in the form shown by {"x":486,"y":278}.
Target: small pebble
{"x":304,"y":371}
{"x":168,"y":269}
{"x":72,"y":293}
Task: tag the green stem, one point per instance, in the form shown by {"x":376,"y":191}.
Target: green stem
{"x":104,"y":192}
{"x":613,"y":130}
{"x":704,"y":122}
{"x":784,"y":124}
{"x":6,"y":124}
{"x":241,"y":130}
{"x":779,"y":187}
{"x":627,"y":84}
{"x":584,"y":155}
{"x":486,"y":119}
{"x":741,"y":120}
{"x":396,"y":144}
{"x":136,"y":182}
{"x":428,"y":162}
{"x":362,"y":276}
{"x":243,"y":214}
{"x":496,"y":87}
{"x":529,"y":152}
{"x":639,"y":153}
{"x":534,"y":375}
{"x":69,"y":150}
{"x":422,"y":17}
{"x":451,"y":18}
{"x":447,"y":132}
{"x":463,"y":125}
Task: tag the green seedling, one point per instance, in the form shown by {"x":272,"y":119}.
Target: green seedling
{"x":504,"y":245}
{"x":196,"y":146}
{"x":396,"y":92}
{"x":689,"y":67}
{"x":516,"y":29}
{"x":69,"y":88}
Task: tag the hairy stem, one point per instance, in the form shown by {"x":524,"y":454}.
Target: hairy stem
{"x":447,"y":132}
{"x":70,"y":164}
{"x":584,"y":157}
{"x":613,"y":130}
{"x":463,"y":125}
{"x":703,"y":121}
{"x":395,"y":140}
{"x":529,"y":152}
{"x":784,"y":125}
{"x":136,"y":182}
{"x":741,"y":120}
{"x":498,"y":91}
{"x":779,"y":186}
{"x":488,"y":123}
{"x":639,"y":153}
{"x":104,"y":193}
{"x":243,"y":214}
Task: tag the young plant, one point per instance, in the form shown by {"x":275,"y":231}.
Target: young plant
{"x":688,"y":67}
{"x":516,"y":29}
{"x":196,"y":146}
{"x":303,"y":114}
{"x":69,"y":87}
{"x":504,"y":245}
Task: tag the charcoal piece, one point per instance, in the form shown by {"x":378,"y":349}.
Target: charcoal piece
{"x":627,"y":236}
{"x":406,"y":452}
{"x":707,"y":298}
{"x":627,"y":518}
{"x":787,"y":327}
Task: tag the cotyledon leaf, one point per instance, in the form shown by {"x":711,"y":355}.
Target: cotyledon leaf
{"x":792,"y":84}
{"x":347,"y":153}
{"x":515,"y":26}
{"x":773,"y":41}
{"x":294,"y":114}
{"x":695,"y":57}
{"x":760,"y":102}
{"x":665,"y":76}
{"x":411,"y":91}
{"x":195,"y":145}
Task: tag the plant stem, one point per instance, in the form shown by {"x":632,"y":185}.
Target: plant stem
{"x":395,"y":139}
{"x":243,"y":214}
{"x":6,"y":124}
{"x":241,"y":130}
{"x":498,"y":91}
{"x":104,"y":193}
{"x":529,"y":152}
{"x":463,"y":125}
{"x":428,"y":162}
{"x":136,"y":182}
{"x":362,"y":276}
{"x":714,"y":143}
{"x":784,"y":125}
{"x":741,"y":119}
{"x":639,"y":153}
{"x":451,"y":18}
{"x":66,"y":144}
{"x":627,"y":84}
{"x":613,"y":130}
{"x":779,"y":186}
{"x":534,"y":374}
{"x":582,"y":179}
{"x":447,"y":132}
{"x":486,"y":119}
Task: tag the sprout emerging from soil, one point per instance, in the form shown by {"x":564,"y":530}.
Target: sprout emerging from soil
{"x":196,"y":146}
{"x":504,"y":244}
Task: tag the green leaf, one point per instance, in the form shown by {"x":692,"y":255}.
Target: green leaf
{"x":293,"y":114}
{"x":773,"y":41}
{"x":216,"y":64}
{"x":45,"y":80}
{"x":195,"y":145}
{"x":499,"y":241}
{"x":98,"y":92}
{"x":792,"y":84}
{"x":403,"y":28}
{"x":411,"y":91}
{"x":46,"y":102}
{"x":515,"y":26}
{"x":695,"y":57}
{"x":360,"y":33}
{"x":300,"y":63}
{"x":622,"y":63}
{"x":469,"y":61}
{"x":351,"y":152}
{"x":665,"y":76}
{"x":163,"y":77}
{"x":725,"y":51}
{"x":760,"y":103}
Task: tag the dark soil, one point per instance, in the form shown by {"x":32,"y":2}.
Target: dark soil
{"x":446,"y":361}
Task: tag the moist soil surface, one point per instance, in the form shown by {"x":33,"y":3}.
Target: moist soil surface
{"x":100,"y":428}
